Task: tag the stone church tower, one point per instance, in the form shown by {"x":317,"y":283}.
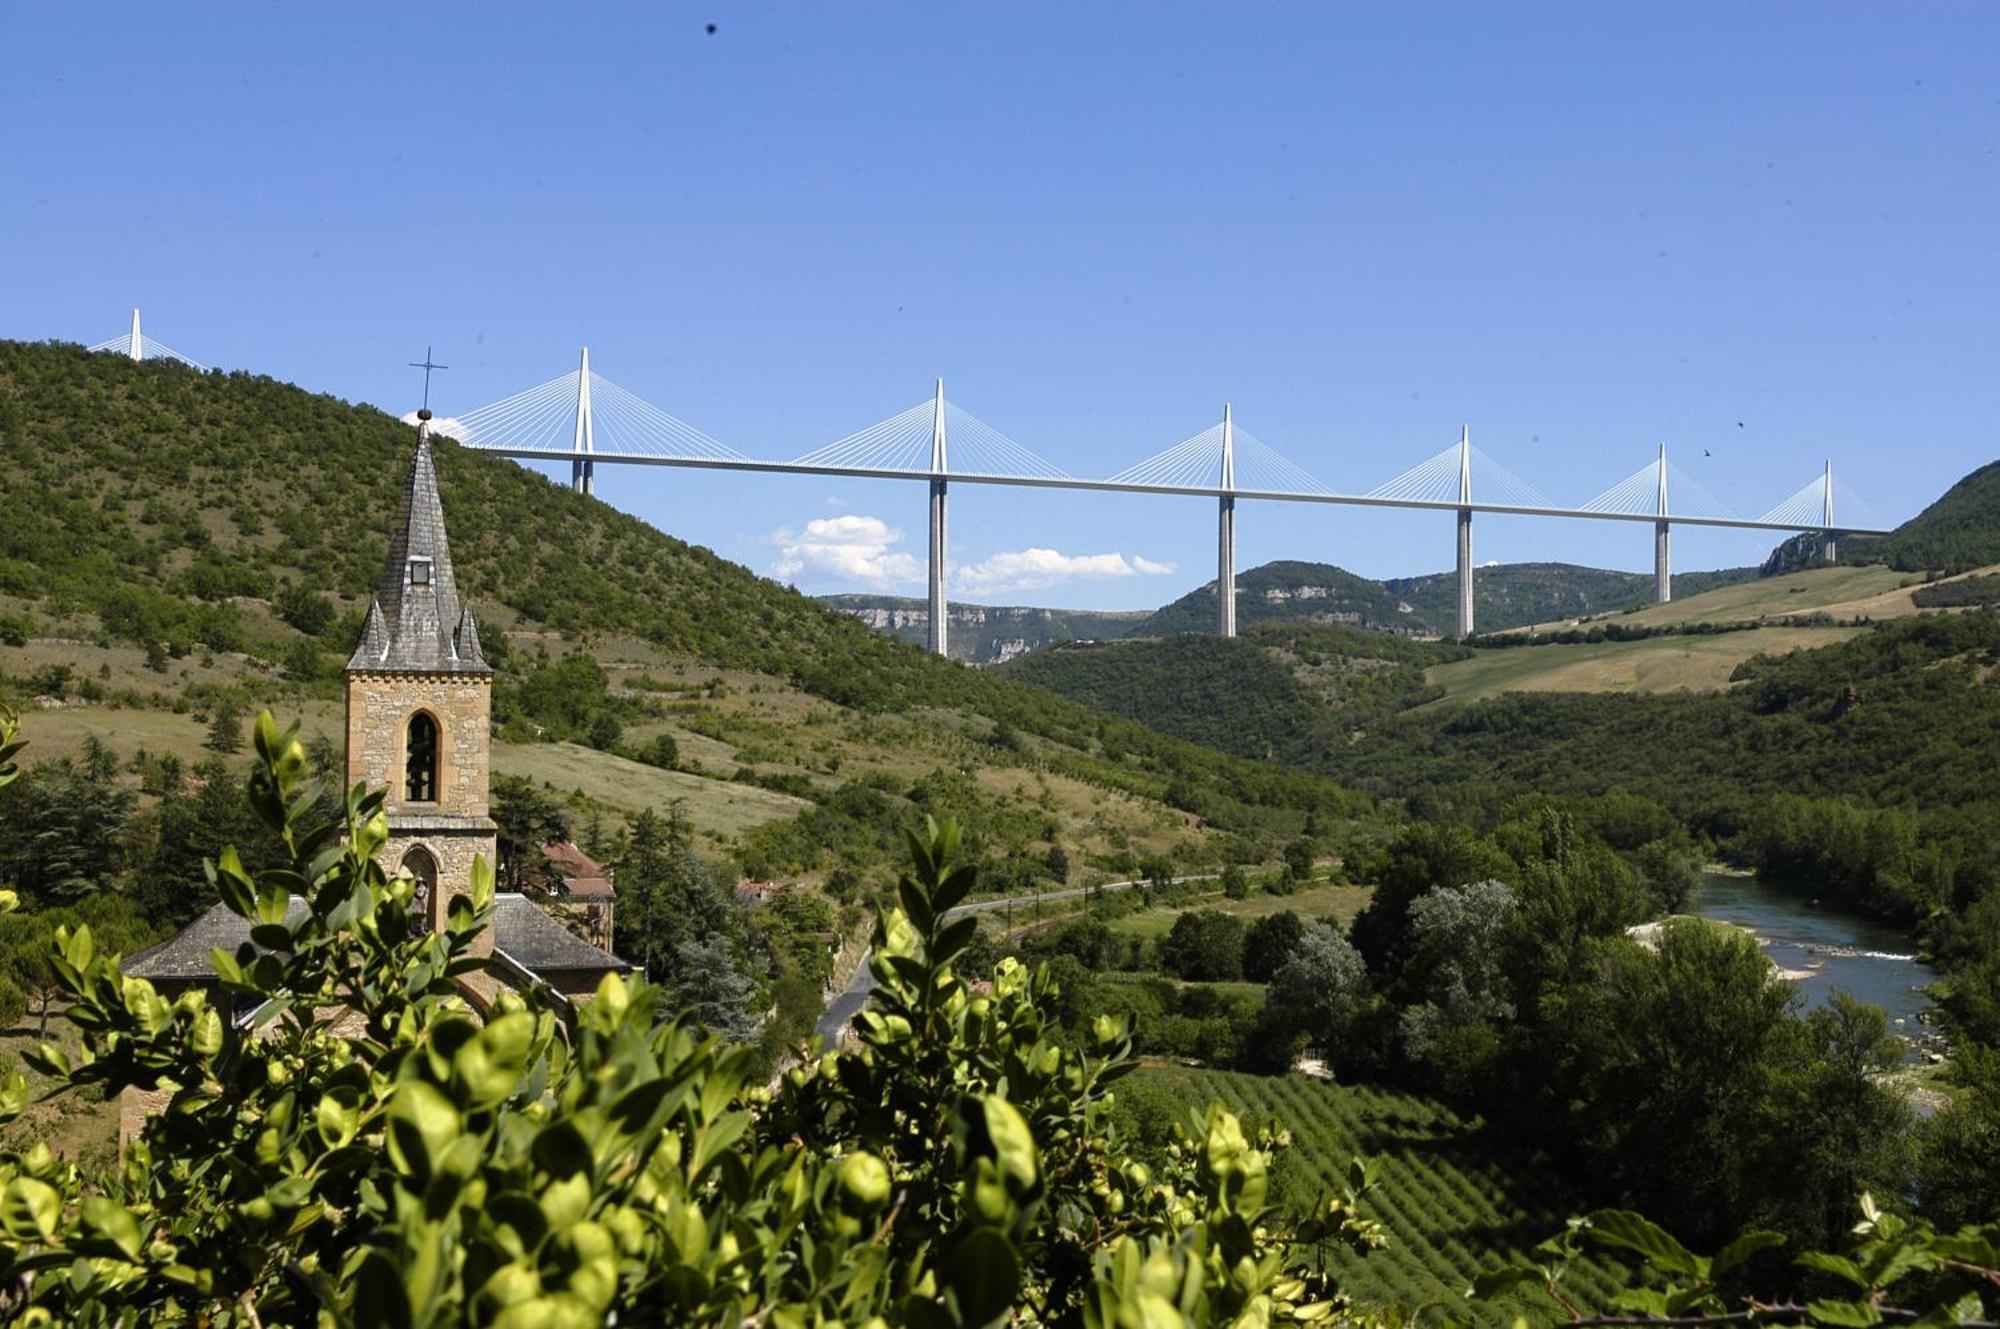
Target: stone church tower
{"x":419,"y":702}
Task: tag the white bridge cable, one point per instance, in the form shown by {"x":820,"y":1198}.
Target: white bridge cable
{"x":976,"y":448}
{"x":1435,"y":480}
{"x":1638,"y":494}
{"x":1687,"y":498}
{"x":903,"y":443}
{"x":1804,"y":509}
{"x":900,"y":443}
{"x":1851,"y":507}
{"x":148,"y":350}
{"x":625,"y":422}
{"x":1196,"y":463}
{"x":541,"y":418}
{"x":1262,"y":467}
{"x":1192,"y":463}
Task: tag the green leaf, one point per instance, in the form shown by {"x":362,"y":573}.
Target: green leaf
{"x":30,"y":1209}
{"x":1621,"y":1227}
{"x":225,"y":873}
{"x":1494,"y":1282}
{"x":1013,"y":1142}
{"x":954,"y":938}
{"x":1849,"y":1314}
{"x":493,"y":1061}
{"x":337,"y":1122}
{"x":380,"y":1299}
{"x":982,"y":1274}
{"x":114,"y":1222}
{"x":1838,"y":1265}
{"x":1745,"y":1246}
{"x":1642,"y":1301}
{"x":422,"y":1122}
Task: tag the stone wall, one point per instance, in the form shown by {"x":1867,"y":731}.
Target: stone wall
{"x":454,"y":848}
{"x":379,"y":707}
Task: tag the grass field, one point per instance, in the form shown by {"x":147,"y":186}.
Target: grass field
{"x":81,"y":1125}
{"x":1338,"y":903}
{"x":718,"y":808}
{"x":1657,"y":664}
{"x":1837,"y":591}
{"x":1454,"y":1199}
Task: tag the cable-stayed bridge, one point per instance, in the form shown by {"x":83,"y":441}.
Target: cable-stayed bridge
{"x":141,"y":347}
{"x":583,"y":418}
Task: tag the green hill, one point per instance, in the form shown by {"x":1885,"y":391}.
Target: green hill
{"x":1959,"y":531}
{"x":176,"y":542}
{"x":1283,"y":691}
{"x":1292,"y":592}
{"x":1512,"y":595}
{"x":1506,"y":595}
{"x":986,"y":634}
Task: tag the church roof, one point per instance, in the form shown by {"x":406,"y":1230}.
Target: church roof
{"x":521,"y":928}
{"x":416,"y":623}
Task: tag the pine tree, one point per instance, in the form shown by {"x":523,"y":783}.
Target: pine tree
{"x":225,"y":730}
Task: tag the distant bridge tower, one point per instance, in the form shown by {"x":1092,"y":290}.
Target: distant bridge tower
{"x":1225,"y":541}
{"x":1663,"y":572}
{"x":939,"y":609}
{"x":583,"y":471}
{"x":137,"y":342}
{"x":1828,"y":546}
{"x":1465,"y":619}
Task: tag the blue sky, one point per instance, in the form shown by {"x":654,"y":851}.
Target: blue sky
{"x":1584,"y":230}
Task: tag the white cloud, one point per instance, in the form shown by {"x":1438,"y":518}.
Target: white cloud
{"x":850,"y":548}
{"x":450,"y":424}
{"x":1027,"y":569}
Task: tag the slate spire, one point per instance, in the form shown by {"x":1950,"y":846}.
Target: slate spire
{"x":416,"y":623}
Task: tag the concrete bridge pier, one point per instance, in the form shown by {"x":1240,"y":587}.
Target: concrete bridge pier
{"x":1663,"y":570}
{"x":940,"y":611}
{"x":1829,"y":546}
{"x":1466,"y":623}
{"x":1225,"y":535}
{"x":1465,"y":618}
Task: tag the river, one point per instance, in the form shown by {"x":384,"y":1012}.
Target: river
{"x":1826,"y":947}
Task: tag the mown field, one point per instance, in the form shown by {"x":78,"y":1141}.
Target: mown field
{"x":1454,"y":1200}
{"x":1656,"y":664}
{"x":1337,"y":903}
{"x":1836,"y":591}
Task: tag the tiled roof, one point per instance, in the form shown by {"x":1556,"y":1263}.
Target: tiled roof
{"x":416,"y":623}
{"x":582,"y":875}
{"x":521,"y":928}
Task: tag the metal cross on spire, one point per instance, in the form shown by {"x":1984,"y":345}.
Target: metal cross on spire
{"x":427,"y":366}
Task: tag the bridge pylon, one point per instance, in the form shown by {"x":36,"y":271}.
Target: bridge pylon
{"x":939,"y":609}
{"x":1225,"y":533}
{"x":583,"y":471}
{"x":1828,"y":546}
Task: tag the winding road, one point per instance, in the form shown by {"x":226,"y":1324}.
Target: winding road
{"x":847,"y":1003}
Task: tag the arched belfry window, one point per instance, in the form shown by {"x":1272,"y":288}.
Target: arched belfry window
{"x":420,"y":764}
{"x":423,"y":867}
